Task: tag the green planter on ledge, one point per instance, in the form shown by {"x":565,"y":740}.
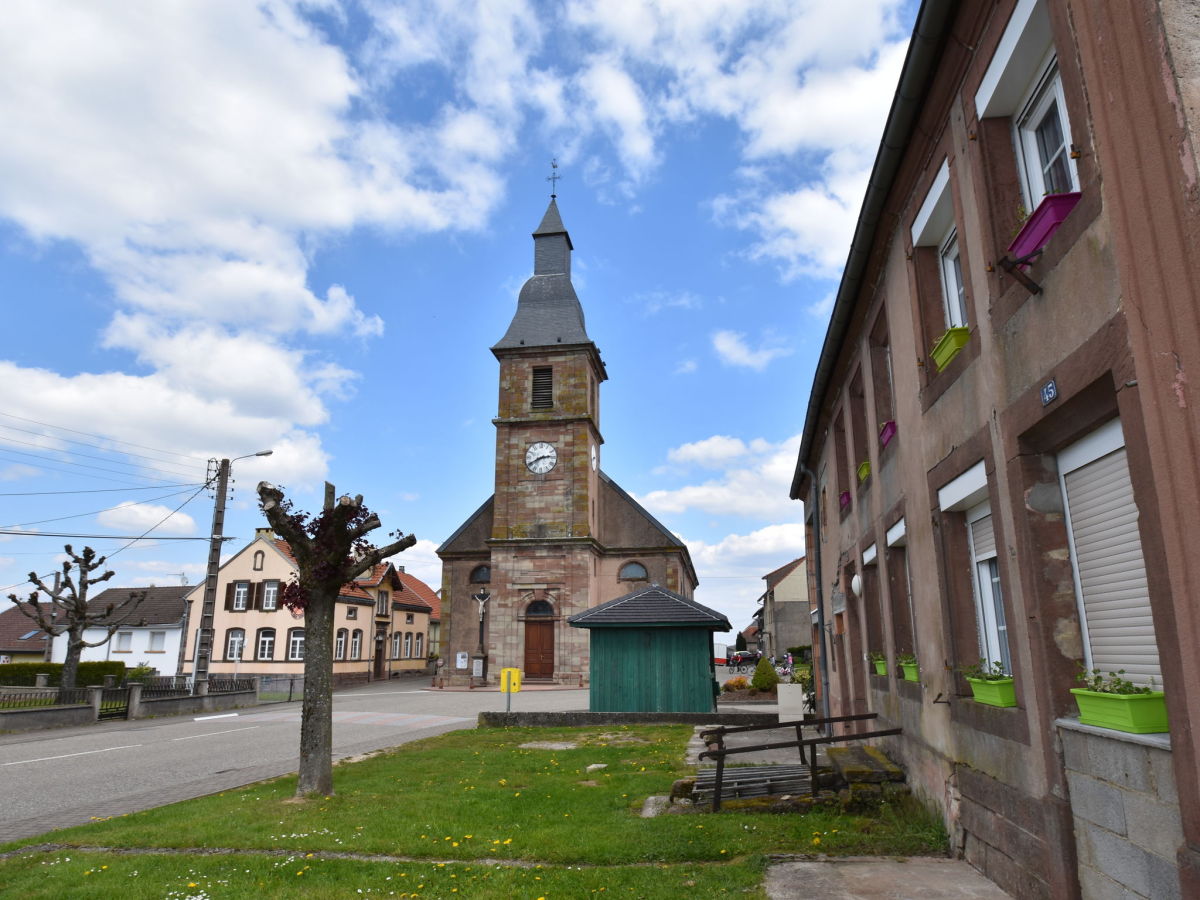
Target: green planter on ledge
{"x":994,"y":691}
{"x":1131,"y":713}
{"x":880,"y":666}
{"x":864,"y":470}
{"x":911,"y":671}
{"x":949,"y":344}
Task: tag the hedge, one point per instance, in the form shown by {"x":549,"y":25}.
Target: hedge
{"x":24,"y":674}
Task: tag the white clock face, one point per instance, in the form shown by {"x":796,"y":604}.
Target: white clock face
{"x":540,"y":458}
{"x":595,"y":458}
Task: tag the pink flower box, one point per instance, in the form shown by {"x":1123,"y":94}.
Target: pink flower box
{"x":1045,"y":220}
{"x":886,"y":432}
{"x":844,"y":499}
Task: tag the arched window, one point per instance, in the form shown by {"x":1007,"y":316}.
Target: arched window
{"x":407,"y":644}
{"x":418,"y":650}
{"x":339,"y":645}
{"x":633,"y":571}
{"x":539,"y":609}
{"x":396,"y":636}
{"x":296,"y":644}
{"x":356,"y":644}
{"x":259,"y":556}
{"x":265,"y":644}
{"x":235,"y":642}
{"x":481,"y":575}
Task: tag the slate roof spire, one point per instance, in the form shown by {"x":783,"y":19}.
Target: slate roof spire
{"x":548,"y":311}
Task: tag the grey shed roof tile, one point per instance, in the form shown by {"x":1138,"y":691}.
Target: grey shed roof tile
{"x":651,"y":605}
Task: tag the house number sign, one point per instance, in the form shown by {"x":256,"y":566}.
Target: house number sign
{"x":1049,"y":392}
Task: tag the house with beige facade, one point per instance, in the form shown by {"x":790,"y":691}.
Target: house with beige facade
{"x":381,"y":623}
{"x":999,"y":457}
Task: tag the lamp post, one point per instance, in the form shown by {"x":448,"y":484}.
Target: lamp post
{"x":482,"y":599}
{"x":205,"y":631}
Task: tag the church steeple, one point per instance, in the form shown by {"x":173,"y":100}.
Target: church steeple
{"x":548,"y":310}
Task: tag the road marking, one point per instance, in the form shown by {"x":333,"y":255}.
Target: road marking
{"x":206,"y":718}
{"x":366,"y":694}
{"x":65,"y":755}
{"x":211,"y":733}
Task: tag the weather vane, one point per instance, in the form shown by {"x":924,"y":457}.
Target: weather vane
{"x":553,"y":178}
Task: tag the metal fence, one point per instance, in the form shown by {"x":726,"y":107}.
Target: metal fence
{"x":280,"y":688}
{"x":161,"y":686}
{"x":32,"y":699}
{"x":228,"y":685}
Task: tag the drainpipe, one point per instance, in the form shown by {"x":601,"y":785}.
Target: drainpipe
{"x":824,"y":644}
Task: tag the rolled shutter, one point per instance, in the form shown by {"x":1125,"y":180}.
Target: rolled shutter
{"x":229,"y":596}
{"x":983,"y":538}
{"x":1107,"y":551}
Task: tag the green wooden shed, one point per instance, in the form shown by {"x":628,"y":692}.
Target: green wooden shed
{"x":651,"y":651}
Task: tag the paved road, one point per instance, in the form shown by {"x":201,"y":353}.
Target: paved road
{"x":62,"y":777}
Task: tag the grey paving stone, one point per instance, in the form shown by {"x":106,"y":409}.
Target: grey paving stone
{"x":870,"y":878}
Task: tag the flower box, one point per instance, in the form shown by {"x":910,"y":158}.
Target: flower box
{"x":887,"y":431}
{"x":880,"y":666}
{"x":1131,"y":713}
{"x":994,"y":691}
{"x":864,"y":470}
{"x":911,"y":671}
{"x":844,"y":500}
{"x":949,"y":344}
{"x":1044,"y":221}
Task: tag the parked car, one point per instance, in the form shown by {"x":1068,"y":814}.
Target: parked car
{"x":743,"y":658}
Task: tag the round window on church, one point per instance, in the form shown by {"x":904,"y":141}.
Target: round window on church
{"x":481,"y":575}
{"x":539,"y":609}
{"x":633,"y":572}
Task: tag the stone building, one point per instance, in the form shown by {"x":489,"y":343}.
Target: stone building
{"x":558,"y":535}
{"x":1000,"y":443}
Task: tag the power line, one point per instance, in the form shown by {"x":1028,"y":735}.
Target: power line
{"x":108,"y":537}
{"x":115,"y":462}
{"x":130,"y":484}
{"x":97,"y":436}
{"x":144,"y":487}
{"x":67,"y":462}
{"x":90,"y":444}
{"x":93,"y":512}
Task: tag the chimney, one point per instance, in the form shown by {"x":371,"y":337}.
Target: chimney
{"x":265,"y":533}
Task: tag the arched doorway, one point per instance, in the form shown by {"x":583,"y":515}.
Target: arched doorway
{"x":539,"y":640}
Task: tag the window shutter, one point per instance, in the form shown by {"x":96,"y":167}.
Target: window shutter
{"x":1107,"y":552}
{"x":257,"y":595}
{"x":229,"y":596}
{"x":543,"y":388}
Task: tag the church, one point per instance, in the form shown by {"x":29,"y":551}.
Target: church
{"x":558,"y":536}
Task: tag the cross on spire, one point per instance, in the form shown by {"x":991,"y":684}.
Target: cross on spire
{"x":553,"y":178}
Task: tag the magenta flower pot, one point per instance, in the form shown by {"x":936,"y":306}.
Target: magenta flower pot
{"x":1043,"y":223}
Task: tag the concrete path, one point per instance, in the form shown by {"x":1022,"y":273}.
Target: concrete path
{"x":870,"y":878}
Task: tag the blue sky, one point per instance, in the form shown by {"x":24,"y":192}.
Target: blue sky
{"x":227,"y":227}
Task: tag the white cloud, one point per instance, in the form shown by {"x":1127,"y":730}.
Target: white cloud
{"x":686,"y":367}
{"x":420,"y":560}
{"x":768,"y":547}
{"x":714,"y":451}
{"x":656,"y":301}
{"x":135,"y":518}
{"x":17,"y":471}
{"x":732,"y":350}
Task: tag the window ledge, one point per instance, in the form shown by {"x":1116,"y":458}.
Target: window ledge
{"x":1157,"y":741}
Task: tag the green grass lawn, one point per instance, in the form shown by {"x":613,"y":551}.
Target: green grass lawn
{"x":471,"y":814}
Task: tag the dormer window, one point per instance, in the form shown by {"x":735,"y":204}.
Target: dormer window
{"x":542,"y":396}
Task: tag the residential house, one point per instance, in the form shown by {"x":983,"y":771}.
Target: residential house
{"x":999,"y":455}
{"x":783,"y":610}
{"x":381,"y":621}
{"x":20,"y":638}
{"x":151,"y":634}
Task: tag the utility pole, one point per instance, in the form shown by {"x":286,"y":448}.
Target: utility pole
{"x":204,"y":646}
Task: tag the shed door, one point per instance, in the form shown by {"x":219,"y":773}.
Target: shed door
{"x":539,"y":648}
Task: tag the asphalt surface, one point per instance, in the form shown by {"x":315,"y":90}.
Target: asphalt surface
{"x":70,"y":776}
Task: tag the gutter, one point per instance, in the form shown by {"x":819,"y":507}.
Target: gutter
{"x":924,"y":49}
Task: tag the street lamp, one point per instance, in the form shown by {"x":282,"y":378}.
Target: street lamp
{"x":205,"y":632}
{"x":482,"y":599}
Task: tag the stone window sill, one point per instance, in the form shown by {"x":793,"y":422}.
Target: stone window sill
{"x":1158,"y":741}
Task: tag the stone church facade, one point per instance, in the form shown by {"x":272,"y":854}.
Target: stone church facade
{"x":558,"y":536}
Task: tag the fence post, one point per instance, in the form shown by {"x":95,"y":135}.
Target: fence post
{"x":41,"y":680}
{"x":96,"y":696}
{"x":135,"y":700}
{"x":200,"y":687}
{"x":257,"y":681}
{"x":110,"y":681}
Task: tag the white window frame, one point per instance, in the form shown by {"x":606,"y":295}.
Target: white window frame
{"x":241,"y":596}
{"x":1047,"y":89}
{"x":124,"y":642}
{"x":339,"y":644}
{"x":990,"y":619}
{"x":381,"y":603}
{"x":954,"y":291}
{"x":396,"y":636}
{"x":407,"y":644}
{"x":296,"y":645}
{"x":158,"y":642}
{"x":418,"y":643}
{"x":266,"y":644}
{"x":235,"y":643}
{"x":270,"y":596}
{"x":356,"y":643}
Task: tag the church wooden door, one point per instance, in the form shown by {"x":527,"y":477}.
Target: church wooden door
{"x":539,"y":648}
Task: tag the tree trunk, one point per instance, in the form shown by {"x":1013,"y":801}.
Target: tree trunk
{"x":316,"y":722}
{"x":71,"y":663}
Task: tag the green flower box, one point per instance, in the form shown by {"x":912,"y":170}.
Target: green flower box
{"x":1131,"y":713}
{"x":994,"y":692}
{"x":864,"y":470}
{"x":949,"y":344}
{"x":911,"y":671}
{"x":880,"y":666}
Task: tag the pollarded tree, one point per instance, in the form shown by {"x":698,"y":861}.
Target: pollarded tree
{"x":65,"y":610}
{"x":330,"y":550}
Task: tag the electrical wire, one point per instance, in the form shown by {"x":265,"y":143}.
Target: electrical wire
{"x":130,"y":484}
{"x":67,"y":462}
{"x":96,"y":436}
{"x":94,"y":511}
{"x":109,"y":537}
{"x":115,"y":462}
{"x":194,"y":459}
{"x":143,"y":487}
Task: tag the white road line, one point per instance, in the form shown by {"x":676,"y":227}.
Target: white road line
{"x":206,"y":718}
{"x":211,"y":733}
{"x":66,"y":755}
{"x":381,"y":693}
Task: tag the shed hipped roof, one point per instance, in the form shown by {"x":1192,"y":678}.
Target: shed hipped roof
{"x":652,"y":606}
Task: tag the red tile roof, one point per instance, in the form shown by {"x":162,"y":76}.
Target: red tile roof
{"x":423,"y":592}
{"x":14,"y":626}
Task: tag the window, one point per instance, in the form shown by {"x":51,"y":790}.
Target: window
{"x":542,"y":396}
{"x":954,"y":301}
{"x":356,"y":644}
{"x":235,"y":641}
{"x":381,"y":603}
{"x":241,"y":595}
{"x":481,"y":575}
{"x":539,"y":609}
{"x":408,"y":618}
{"x":396,"y":644}
{"x":270,"y":596}
{"x":352,"y":612}
{"x":158,"y":641}
{"x":633,"y":571}
{"x":989,"y":600}
{"x":407,"y":644}
{"x":418,"y":644}
{"x":339,"y":644}
{"x":258,"y":560}
{"x":296,"y":644}
{"x":124,"y":641}
{"x":266,"y":644}
{"x":1043,"y":142}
